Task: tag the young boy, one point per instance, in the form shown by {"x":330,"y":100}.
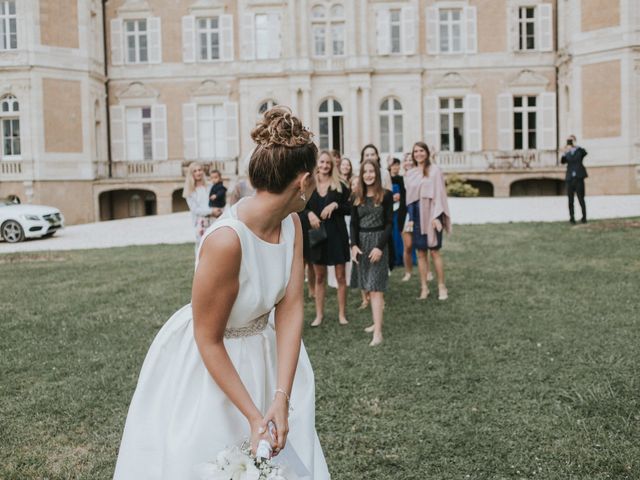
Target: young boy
{"x":217,"y":194}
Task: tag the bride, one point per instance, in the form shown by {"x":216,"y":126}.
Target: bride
{"x":218,"y":371}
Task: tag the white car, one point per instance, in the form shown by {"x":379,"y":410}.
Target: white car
{"x":18,"y":221}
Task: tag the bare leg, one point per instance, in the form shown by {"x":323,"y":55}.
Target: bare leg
{"x":407,"y":240}
{"x":341,"y":279}
{"x":439,"y":266}
{"x":365,"y":300}
{"x":423,"y":268}
{"x":321,"y":276}
{"x":377,"y":305}
{"x":311,"y":280}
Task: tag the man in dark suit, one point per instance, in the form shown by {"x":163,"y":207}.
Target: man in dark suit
{"x":576,"y":173}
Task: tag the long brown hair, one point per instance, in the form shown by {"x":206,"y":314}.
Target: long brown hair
{"x":378,"y":191}
{"x":427,"y":161}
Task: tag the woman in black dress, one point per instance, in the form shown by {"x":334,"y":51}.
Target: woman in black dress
{"x":371,"y":225}
{"x":326,"y":210}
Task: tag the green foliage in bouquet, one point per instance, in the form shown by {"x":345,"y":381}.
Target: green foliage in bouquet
{"x":458,"y":187}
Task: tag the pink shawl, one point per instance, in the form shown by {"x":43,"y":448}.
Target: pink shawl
{"x":432,"y":194}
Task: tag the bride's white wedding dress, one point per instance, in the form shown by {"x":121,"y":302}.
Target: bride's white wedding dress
{"x":179,"y":417}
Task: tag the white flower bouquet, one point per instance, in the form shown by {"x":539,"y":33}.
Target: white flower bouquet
{"x":237,"y":463}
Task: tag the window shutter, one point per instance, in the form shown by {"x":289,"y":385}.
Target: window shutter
{"x":159,"y":131}
{"x":546,"y":121}
{"x":189,"y":39}
{"x":117,"y":42}
{"x":226,"y":31}
{"x":513,"y":29}
{"x":248,"y":36}
{"x":275,"y":35}
{"x":231,"y":114}
{"x":505,"y":122}
{"x":116,"y":114}
{"x":473,"y":122}
{"x":155,"y":40}
{"x":433,"y":46}
{"x":383,"y":31}
{"x":408,"y":30}
{"x":189,"y":131}
{"x":545,"y":27}
{"x":471,"y":29}
{"x":432,"y":122}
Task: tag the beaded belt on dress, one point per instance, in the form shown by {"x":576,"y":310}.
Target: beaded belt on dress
{"x":253,"y":328}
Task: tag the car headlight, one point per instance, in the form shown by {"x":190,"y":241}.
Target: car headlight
{"x":34,"y":218}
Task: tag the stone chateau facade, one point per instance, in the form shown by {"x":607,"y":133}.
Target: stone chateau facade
{"x":103,"y":104}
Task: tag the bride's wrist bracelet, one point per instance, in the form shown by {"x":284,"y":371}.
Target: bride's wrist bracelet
{"x":286,"y":395}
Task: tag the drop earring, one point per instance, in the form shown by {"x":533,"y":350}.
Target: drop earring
{"x":303,"y":197}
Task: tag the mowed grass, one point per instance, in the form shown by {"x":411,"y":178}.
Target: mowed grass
{"x":529,"y":370}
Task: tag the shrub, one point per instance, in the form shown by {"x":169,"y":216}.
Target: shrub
{"x":458,"y":187}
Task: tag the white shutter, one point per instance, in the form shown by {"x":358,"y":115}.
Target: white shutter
{"x":473,"y":122}
{"x":116,"y":115}
{"x":248,"y":36}
{"x":432,"y":122}
{"x":275,"y":35}
{"x":155,"y":40}
{"x":513,"y":29}
{"x":545,"y":27}
{"x":471,"y":29}
{"x":226,"y":30}
{"x":189,"y":39}
{"x":159,"y":131}
{"x":189,"y":131}
{"x":383,"y":31}
{"x":433,"y":46}
{"x":117,"y":42}
{"x":231,"y":114}
{"x":546,"y":121}
{"x":408,"y":30}
{"x":505,"y":122}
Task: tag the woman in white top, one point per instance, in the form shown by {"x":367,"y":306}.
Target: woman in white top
{"x":196,"y":193}
{"x":218,"y":371}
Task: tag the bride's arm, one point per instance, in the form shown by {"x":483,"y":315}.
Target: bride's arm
{"x":289,"y":320}
{"x":215,"y":288}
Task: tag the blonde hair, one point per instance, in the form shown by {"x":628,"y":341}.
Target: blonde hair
{"x":335,"y":183}
{"x":189,"y":182}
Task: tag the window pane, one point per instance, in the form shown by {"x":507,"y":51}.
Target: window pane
{"x":444,"y":103}
{"x":338,"y":39}
{"x":458,"y":132}
{"x":337,"y":11}
{"x":324,"y":133}
{"x":444,"y":38}
{"x":397,"y":133}
{"x":142,"y":25}
{"x":324,"y":106}
{"x":456,"y":38}
{"x":395,"y":15}
{"x":531,"y":101}
{"x":319,"y":40}
{"x":130,"y":26}
{"x":395,"y":38}
{"x":444,"y":132}
{"x":517,"y":101}
{"x":517,"y":121}
{"x":143,"y":48}
{"x":385,"y":105}
{"x":455,"y":15}
{"x":148,"y":147}
{"x":131,"y":49}
{"x":336,"y":106}
{"x":517,"y":140}
{"x":384,"y":133}
{"x":317,"y":12}
{"x":215,"y":45}
{"x":457,"y":103}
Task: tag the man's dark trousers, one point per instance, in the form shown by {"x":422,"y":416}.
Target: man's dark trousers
{"x":575,"y":186}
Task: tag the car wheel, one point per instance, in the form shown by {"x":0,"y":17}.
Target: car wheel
{"x":12,"y":231}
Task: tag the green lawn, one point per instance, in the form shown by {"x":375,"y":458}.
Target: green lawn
{"x":529,"y":370}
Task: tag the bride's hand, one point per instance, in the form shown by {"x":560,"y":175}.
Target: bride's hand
{"x":258,"y":432}
{"x":279,"y":415}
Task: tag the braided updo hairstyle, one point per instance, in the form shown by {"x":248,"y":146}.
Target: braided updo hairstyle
{"x":285,"y":149}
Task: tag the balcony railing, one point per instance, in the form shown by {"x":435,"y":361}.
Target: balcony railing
{"x":161,"y":168}
{"x":496,"y":160}
{"x":11,"y":170}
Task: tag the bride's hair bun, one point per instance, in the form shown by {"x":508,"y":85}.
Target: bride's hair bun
{"x":280,"y":127}
{"x":285,"y":149}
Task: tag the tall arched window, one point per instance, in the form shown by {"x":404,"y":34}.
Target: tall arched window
{"x":391,"y":126}
{"x":330,"y":115}
{"x":328,"y":29}
{"x":10,"y":126}
{"x":266,"y":105}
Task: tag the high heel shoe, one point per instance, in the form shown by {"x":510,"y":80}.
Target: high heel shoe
{"x":443,"y":293}
{"x":375,"y":341}
{"x":364,"y":305}
{"x":343,"y":321}
{"x":406,"y":277}
{"x":429,"y":276}
{"x":317,"y":322}
{"x":424,"y":293}
{"x":369,"y":329}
